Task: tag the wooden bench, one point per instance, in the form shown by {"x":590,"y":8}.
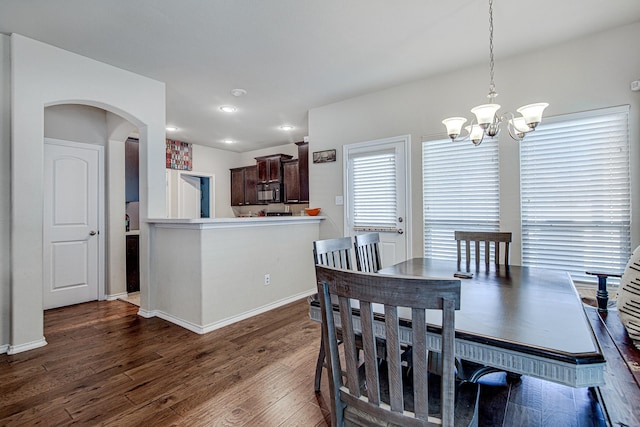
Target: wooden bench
{"x":620,"y":396}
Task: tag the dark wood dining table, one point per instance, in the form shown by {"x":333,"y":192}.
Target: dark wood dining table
{"x":527,"y":321}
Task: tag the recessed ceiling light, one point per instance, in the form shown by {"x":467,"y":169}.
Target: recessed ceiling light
{"x":238,"y":92}
{"x":228,"y":109}
{"x":228,"y":141}
{"x":286,"y":127}
{"x":171,"y":128}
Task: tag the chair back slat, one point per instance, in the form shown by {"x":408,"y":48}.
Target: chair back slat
{"x":333,"y":252}
{"x":487,"y":238}
{"x":367,"y":248}
{"x":360,"y":396}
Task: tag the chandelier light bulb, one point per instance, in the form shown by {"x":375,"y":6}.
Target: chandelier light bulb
{"x":454,"y":126}
{"x":520,"y":125}
{"x":485,"y":114}
{"x":476,"y":133}
{"x":532,"y":113}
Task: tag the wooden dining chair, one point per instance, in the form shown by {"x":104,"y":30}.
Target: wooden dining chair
{"x":332,"y":253}
{"x":486,"y":238}
{"x":367,"y":249}
{"x":364,"y":392}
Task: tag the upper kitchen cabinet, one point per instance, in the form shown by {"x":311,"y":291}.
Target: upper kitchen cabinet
{"x":243,"y":186}
{"x":303,"y":170}
{"x":132,"y":193}
{"x":270,"y":167}
{"x":290,"y":169}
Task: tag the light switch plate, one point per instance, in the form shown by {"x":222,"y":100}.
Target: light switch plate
{"x":339,"y":200}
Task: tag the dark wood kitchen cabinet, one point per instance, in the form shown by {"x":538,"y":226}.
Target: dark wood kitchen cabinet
{"x":133,"y":263}
{"x":243,"y":186}
{"x":303,"y":170}
{"x":270,"y":167}
{"x":131,"y":170}
{"x":291,"y":181}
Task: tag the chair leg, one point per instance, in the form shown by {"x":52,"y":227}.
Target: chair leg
{"x":319,"y":365}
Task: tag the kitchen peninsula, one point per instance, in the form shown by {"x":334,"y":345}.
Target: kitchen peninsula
{"x":209,"y":273}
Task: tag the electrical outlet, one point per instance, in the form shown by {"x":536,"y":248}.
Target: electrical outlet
{"x":267,"y":279}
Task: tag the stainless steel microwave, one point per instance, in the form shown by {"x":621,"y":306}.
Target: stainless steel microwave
{"x":271,"y":193}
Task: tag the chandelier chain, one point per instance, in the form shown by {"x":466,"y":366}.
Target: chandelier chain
{"x":492,"y":86}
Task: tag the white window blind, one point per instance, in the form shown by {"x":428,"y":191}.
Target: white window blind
{"x":575,"y":193}
{"x":374,"y":191}
{"x":461,"y":191}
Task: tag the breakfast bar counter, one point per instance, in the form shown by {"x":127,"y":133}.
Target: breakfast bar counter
{"x":209,"y":273}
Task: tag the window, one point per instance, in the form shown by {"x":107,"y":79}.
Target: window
{"x":575,"y":193}
{"x":374,"y":191}
{"x":461,"y":191}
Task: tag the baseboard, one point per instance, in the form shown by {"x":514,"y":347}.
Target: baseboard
{"x":13,"y":349}
{"x":230,"y":320}
{"x":116,"y":296}
{"x":4,"y":348}
{"x":199,"y":329}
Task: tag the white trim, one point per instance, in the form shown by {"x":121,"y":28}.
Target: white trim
{"x":4,"y":348}
{"x":203,"y":329}
{"x":13,"y":349}
{"x":212,"y":182}
{"x":113,"y":297}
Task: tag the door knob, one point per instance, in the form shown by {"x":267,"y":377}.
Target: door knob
{"x":92,"y":233}
{"x":400,"y":231}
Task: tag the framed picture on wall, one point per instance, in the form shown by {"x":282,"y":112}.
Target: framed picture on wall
{"x":324,"y":156}
{"x":178,"y":155}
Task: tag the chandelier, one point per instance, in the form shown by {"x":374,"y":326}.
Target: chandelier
{"x":487,"y":121}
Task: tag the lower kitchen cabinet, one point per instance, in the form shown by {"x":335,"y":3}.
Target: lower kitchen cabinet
{"x":133,"y":263}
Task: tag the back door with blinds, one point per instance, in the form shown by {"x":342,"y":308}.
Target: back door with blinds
{"x":375,"y":194}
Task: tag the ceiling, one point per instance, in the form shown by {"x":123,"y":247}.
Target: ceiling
{"x":294,"y":55}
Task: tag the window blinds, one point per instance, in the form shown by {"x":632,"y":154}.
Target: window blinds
{"x":374,"y":191}
{"x":575,"y":193}
{"x":461,"y":190}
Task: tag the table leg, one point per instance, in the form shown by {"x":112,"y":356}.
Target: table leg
{"x":602,"y":295}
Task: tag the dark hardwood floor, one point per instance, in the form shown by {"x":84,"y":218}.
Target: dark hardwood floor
{"x":104,"y":365}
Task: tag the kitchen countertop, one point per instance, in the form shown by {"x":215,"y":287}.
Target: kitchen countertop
{"x":231,"y":222}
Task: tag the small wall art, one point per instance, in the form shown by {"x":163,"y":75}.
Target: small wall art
{"x":178,"y":155}
{"x":324,"y":156}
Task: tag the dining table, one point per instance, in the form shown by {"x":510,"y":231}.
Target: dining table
{"x":521,"y":320}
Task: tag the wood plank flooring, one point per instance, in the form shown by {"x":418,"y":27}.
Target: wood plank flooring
{"x":104,"y":365}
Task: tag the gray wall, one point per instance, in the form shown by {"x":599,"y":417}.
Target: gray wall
{"x":584,"y":74}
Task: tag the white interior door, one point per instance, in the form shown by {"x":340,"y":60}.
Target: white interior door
{"x":189,"y":196}
{"x":376,"y":188}
{"x":72,"y":220}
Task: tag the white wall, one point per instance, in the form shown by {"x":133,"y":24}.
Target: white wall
{"x":5,"y":191}
{"x":584,"y":74}
{"x":217,"y":162}
{"x":43,"y":75}
{"x":79,"y":123}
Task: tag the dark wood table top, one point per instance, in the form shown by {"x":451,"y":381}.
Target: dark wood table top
{"x":529,"y":310}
